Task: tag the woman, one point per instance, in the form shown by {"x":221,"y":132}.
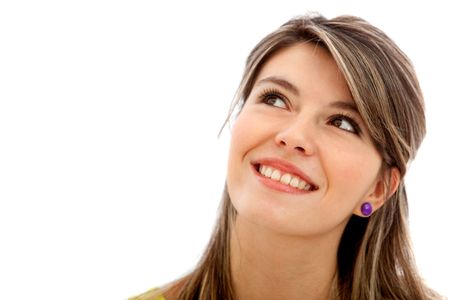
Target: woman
{"x":330,"y":113}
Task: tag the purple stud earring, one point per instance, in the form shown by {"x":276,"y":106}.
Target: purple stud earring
{"x":366,"y":209}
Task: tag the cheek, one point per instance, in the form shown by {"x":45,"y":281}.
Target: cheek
{"x":352,"y":172}
{"x":246,"y":134}
{"x":240,"y":141}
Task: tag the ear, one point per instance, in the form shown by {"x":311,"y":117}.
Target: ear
{"x":378,"y":194}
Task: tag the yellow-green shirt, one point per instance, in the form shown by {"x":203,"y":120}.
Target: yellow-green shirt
{"x":145,"y":296}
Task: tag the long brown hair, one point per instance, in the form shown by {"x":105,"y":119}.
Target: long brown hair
{"x":375,"y":260}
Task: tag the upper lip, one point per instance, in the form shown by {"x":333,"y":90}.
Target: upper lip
{"x":284,"y":166}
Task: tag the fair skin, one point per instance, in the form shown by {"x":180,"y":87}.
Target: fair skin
{"x":285,"y":239}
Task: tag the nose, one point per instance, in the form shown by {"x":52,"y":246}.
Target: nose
{"x":297,"y":136}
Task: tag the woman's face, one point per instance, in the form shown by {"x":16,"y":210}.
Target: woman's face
{"x":300,"y":128}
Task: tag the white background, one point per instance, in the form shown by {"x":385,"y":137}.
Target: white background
{"x":110,"y":166}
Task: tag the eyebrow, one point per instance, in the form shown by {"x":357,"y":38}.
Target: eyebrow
{"x":345,"y":105}
{"x":281,"y":82}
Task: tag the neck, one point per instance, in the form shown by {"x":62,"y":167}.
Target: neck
{"x":267,"y":265}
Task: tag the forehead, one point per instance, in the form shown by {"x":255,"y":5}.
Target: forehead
{"x":309,"y":68}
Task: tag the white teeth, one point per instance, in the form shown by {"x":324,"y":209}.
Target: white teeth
{"x":276,"y":175}
{"x":268,"y":172}
{"x":287,"y":178}
{"x":262,"y":169}
{"x":294,"y":182}
{"x":302,"y":185}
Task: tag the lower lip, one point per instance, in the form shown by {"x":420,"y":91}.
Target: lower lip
{"x":276,"y":185}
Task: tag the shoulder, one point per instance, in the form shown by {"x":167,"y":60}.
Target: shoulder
{"x":152,"y":294}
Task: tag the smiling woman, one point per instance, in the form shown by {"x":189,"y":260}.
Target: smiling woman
{"x":336,"y":166}
{"x":329,"y":115}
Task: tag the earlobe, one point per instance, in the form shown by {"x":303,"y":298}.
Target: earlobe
{"x":380,"y":194}
{"x":366,"y":209}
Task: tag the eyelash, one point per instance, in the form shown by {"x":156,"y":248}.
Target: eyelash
{"x":267,"y":95}
{"x":349,"y":119}
{"x":271,"y":94}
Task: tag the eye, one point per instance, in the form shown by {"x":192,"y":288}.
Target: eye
{"x":345,"y":123}
{"x":274,"y":98}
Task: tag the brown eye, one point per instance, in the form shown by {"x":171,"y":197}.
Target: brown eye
{"x":276,"y":101}
{"x":345,"y":123}
{"x":274,"y":98}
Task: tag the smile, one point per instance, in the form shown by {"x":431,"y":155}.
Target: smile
{"x":282,"y":175}
{"x":284,"y":178}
